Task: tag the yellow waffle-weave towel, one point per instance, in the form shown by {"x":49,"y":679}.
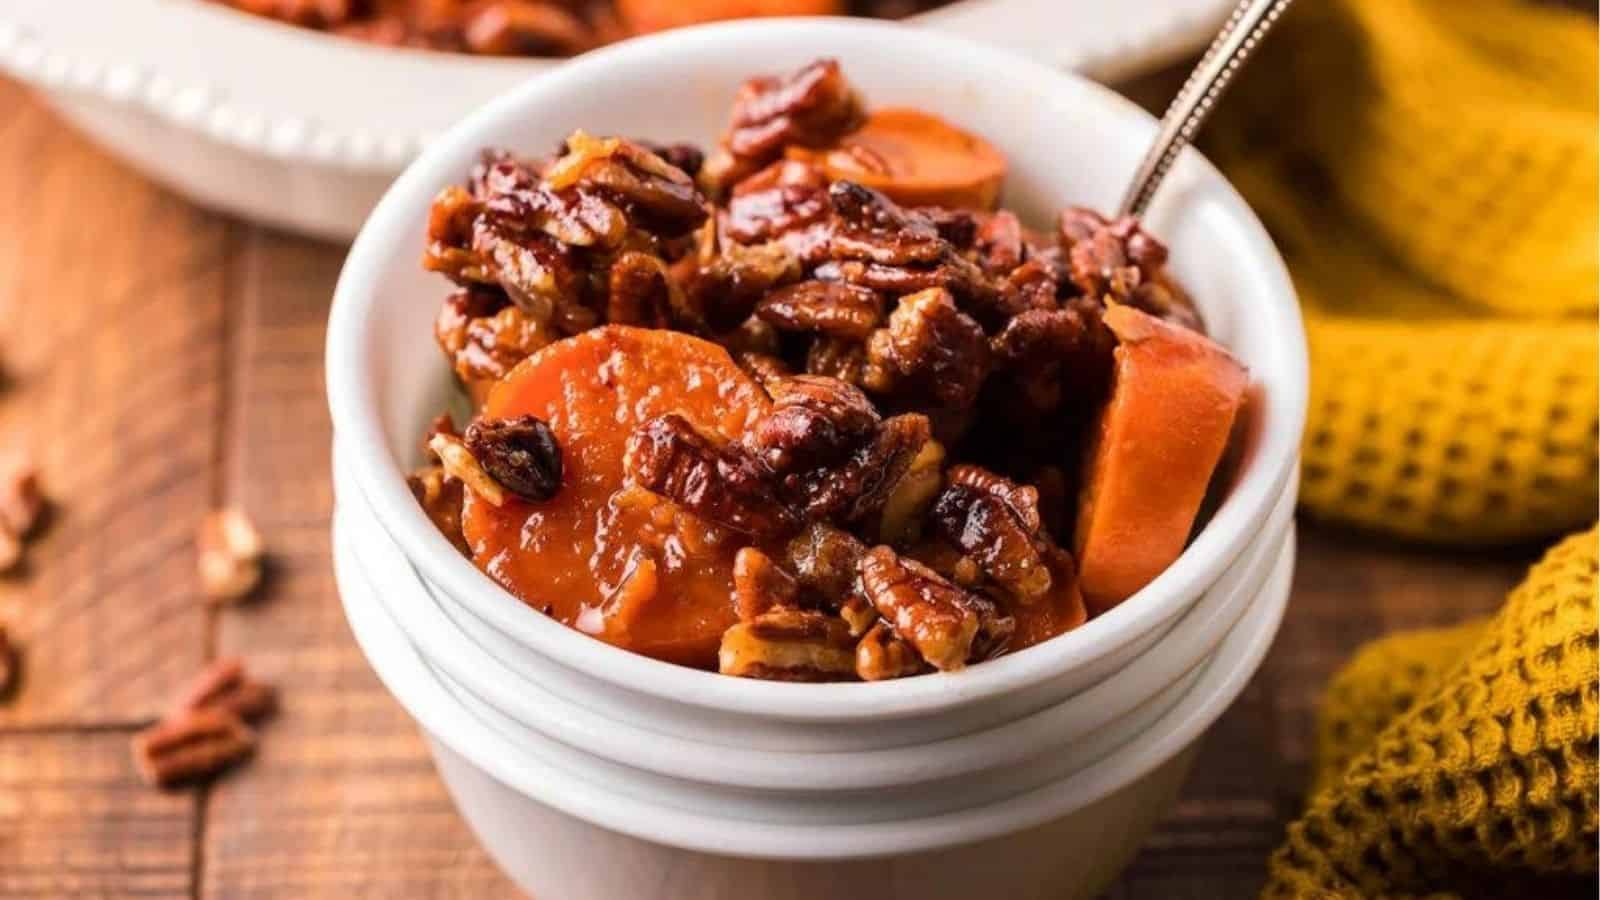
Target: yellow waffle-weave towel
{"x":1462,"y":762}
{"x":1428,"y":168}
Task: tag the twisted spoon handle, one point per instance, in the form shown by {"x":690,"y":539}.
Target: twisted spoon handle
{"x":1245,"y":28}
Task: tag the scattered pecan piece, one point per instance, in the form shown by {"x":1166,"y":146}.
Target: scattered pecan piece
{"x":521,"y":454}
{"x":760,"y":585}
{"x":812,"y":107}
{"x":191,"y":746}
{"x":996,"y":522}
{"x":930,"y":348}
{"x":843,"y":311}
{"x":947,"y":625}
{"x":789,"y":645}
{"x":724,"y":484}
{"x":882,"y":654}
{"x":225,"y":686}
{"x":230,"y":556}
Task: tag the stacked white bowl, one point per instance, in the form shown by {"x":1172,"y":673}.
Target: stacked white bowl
{"x":595,"y":774}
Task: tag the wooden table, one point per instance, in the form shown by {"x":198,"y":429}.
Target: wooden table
{"x":160,"y":361}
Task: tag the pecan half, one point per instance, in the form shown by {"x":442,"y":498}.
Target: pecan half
{"x":193,"y":745}
{"x":824,"y":559}
{"x":930,"y":348}
{"x":814,"y":420}
{"x":521,"y":454}
{"x":834,"y":358}
{"x":224,"y":685}
{"x":724,"y":484}
{"x":686,"y":157}
{"x":662,"y":195}
{"x":882,"y":654}
{"x":947,"y":625}
{"x":996,"y":522}
{"x":912,"y":495}
{"x":640,"y":291}
{"x":789,"y":645}
{"x":812,"y":107}
{"x":838,"y":310}
{"x":724,"y":290}
{"x":879,"y":245}
{"x":760,"y":585}
{"x":229,"y":556}
{"x":786,"y":202}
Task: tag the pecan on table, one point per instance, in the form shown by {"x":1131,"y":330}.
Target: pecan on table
{"x":835,"y":309}
{"x":812,"y":107}
{"x":948,"y":625}
{"x":191,"y":746}
{"x":789,"y":645}
{"x":931,"y":349}
{"x":723,"y":483}
{"x":226,"y":686}
{"x":760,"y":585}
{"x":996,"y":522}
{"x":521,"y":454}
{"x":882,"y":654}
{"x":229,"y":558}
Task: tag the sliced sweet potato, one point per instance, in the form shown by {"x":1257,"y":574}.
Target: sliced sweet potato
{"x":917,"y":158}
{"x":1173,"y":400}
{"x":619,"y":563}
{"x":659,"y":15}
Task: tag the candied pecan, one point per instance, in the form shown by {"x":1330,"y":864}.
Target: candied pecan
{"x":999,"y":242}
{"x":1078,"y":223}
{"x":485,"y":336}
{"x":859,"y":613}
{"x":930,"y":347}
{"x":724,"y":291}
{"x":908,"y":502}
{"x":834,"y":358}
{"x":515,"y":198}
{"x":652,"y":188}
{"x":521,"y":454}
{"x":1109,"y":258}
{"x":640,"y":291}
{"x":224,"y":685}
{"x":229,"y":556}
{"x":785,"y":202}
{"x":882,"y":654}
{"x":525,"y":28}
{"x":996,"y":522}
{"x":789,"y":645}
{"x":947,"y":625}
{"x":765,"y":368}
{"x":1139,"y":245}
{"x":834,"y":456}
{"x":874,"y":228}
{"x":440,"y":496}
{"x":1047,"y":351}
{"x":958,"y":226}
{"x":752,"y":336}
{"x":192,"y":745}
{"x":726,"y":485}
{"x":812,"y":107}
{"x":838,"y":310}
{"x":451,"y":222}
{"x":824,"y":559}
{"x":759,"y":584}
{"x":539,"y":273}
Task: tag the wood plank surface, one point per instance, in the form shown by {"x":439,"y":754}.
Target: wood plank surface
{"x":162,"y":360}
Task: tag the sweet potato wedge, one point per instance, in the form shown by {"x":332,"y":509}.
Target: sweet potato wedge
{"x":618,"y":563}
{"x":1173,"y":400}
{"x":916,"y":158}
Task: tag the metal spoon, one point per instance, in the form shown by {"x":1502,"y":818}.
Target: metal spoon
{"x":1239,"y":36}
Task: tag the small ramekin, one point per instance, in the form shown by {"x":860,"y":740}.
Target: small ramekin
{"x":1069,"y":141}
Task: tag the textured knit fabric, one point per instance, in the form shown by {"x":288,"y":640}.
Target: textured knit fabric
{"x":1429,"y":169}
{"x":1462,"y":762}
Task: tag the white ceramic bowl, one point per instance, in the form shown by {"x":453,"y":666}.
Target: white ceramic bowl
{"x":303,"y":130}
{"x":1068,"y":141}
{"x":926,"y":772}
{"x":581,"y":831}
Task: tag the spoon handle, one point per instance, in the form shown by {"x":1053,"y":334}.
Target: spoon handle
{"x":1245,"y":28}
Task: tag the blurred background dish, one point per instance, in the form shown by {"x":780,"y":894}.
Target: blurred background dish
{"x":303,"y":130}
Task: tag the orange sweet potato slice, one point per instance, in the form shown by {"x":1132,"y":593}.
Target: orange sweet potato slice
{"x":1173,"y":400}
{"x":618,"y":563}
{"x":659,"y":15}
{"x":916,"y":158}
